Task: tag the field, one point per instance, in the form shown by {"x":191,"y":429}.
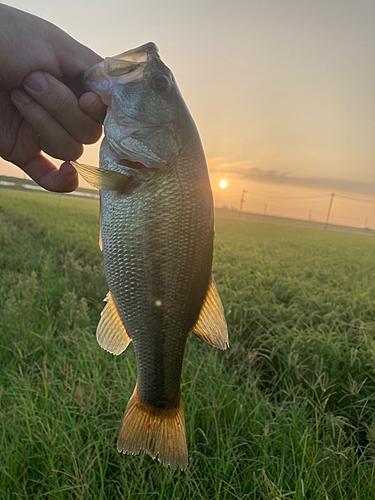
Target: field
{"x":288,"y":412}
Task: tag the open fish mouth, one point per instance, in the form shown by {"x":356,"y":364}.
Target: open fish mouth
{"x":125,"y":68}
{"x":145,"y":138}
{"x":127,"y":62}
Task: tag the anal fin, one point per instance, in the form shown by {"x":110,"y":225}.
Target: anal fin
{"x":211,"y":326}
{"x":111,"y":334}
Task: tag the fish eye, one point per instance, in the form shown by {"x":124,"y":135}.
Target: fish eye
{"x":160,"y":83}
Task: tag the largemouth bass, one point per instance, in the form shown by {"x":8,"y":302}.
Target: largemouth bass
{"x":157,"y":231}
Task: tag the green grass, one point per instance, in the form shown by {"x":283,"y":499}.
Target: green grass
{"x":288,"y":412}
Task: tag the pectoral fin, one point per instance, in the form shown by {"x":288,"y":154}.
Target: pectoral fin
{"x":111,"y":334}
{"x":107,"y":180}
{"x":211,"y":326}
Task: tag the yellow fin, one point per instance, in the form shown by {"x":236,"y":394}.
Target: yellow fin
{"x":106,"y":179}
{"x":211,"y":326}
{"x":158,"y":432}
{"x":111,"y":334}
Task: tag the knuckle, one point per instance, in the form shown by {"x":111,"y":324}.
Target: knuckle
{"x":61,"y":104}
{"x":40,"y":121}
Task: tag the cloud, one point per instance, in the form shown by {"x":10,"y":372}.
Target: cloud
{"x":223,"y":167}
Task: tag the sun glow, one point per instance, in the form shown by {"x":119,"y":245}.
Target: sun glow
{"x":223,"y":184}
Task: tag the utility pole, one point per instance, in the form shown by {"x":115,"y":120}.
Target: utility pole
{"x":310,"y":214}
{"x":265,"y":208}
{"x":329,"y":209}
{"x":242,"y":200}
{"x":366,"y":222}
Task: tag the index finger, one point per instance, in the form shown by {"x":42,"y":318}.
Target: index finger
{"x":61,"y":103}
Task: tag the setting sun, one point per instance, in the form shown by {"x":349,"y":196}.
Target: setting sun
{"x":223,"y":184}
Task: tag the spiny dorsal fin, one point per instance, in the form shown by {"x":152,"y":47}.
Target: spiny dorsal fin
{"x":107,"y":180}
{"x":111,"y":334}
{"x":211,"y":326}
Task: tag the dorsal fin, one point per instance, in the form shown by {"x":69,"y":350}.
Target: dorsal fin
{"x":100,"y":227}
{"x":211,"y":326}
{"x":111,"y":334}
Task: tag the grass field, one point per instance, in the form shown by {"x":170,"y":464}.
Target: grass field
{"x":288,"y":412}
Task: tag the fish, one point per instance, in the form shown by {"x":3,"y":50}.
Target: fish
{"x":157,"y":233}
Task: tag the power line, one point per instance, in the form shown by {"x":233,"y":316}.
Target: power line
{"x":355,"y":199}
{"x":317,"y":213}
{"x":290,"y":197}
{"x":310,"y":197}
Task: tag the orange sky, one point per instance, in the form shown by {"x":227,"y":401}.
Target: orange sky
{"x":282,"y":92}
{"x":295,"y":202}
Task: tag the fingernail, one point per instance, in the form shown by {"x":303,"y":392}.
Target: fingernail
{"x":90,"y":98}
{"x":36,"y":81}
{"x":21,"y":96}
{"x":72,"y":175}
{"x":68,"y":170}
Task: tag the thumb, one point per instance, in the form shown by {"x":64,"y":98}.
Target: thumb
{"x":73,"y":57}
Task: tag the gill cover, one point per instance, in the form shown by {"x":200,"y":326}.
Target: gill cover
{"x":143,"y":100}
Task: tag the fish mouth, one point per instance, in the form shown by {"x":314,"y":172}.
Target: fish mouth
{"x":125,"y":68}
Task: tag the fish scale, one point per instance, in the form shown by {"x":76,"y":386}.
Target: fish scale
{"x":157,"y":233}
{"x":173,"y":261}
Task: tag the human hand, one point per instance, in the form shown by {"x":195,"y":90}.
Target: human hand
{"x":38,"y":111}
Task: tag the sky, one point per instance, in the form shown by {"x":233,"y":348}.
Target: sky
{"x":282,"y":91}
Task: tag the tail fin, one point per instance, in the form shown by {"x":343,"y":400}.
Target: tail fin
{"x":158,"y":432}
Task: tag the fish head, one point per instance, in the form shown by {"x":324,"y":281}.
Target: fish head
{"x":142,"y":125}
